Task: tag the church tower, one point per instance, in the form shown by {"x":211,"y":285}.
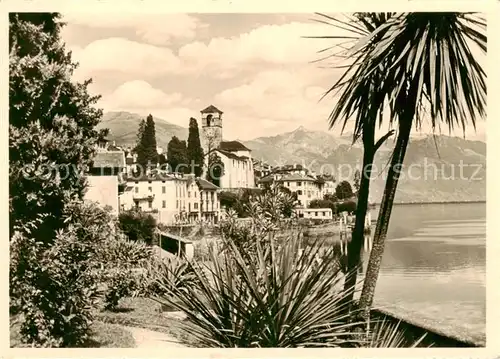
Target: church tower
{"x":211,"y":124}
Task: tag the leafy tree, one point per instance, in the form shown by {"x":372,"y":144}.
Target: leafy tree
{"x":323,"y":203}
{"x":51,"y":125}
{"x":140,"y":134}
{"x":52,"y":139}
{"x":330,"y":197}
{"x":148,"y":154}
{"x":194,"y":150}
{"x":215,"y":168}
{"x":162,"y":159}
{"x":348,"y":206}
{"x":177,"y":155}
{"x":138,"y":226}
{"x":343,"y":190}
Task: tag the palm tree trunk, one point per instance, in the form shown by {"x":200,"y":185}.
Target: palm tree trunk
{"x":370,"y":282}
{"x":357,"y":239}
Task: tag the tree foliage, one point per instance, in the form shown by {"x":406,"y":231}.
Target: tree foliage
{"x":194,"y":150}
{"x":344,"y":190}
{"x":215,"y":169}
{"x":52,"y":139}
{"x":177,"y":158}
{"x":147,"y":153}
{"x":138,"y":226}
{"x":323,"y":203}
{"x":52,"y":121}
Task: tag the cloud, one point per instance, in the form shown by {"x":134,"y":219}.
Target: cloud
{"x":140,"y":95}
{"x":278,"y":95}
{"x":222,"y":58}
{"x":278,"y":45}
{"x":154,"y":29}
{"x":122,"y":55}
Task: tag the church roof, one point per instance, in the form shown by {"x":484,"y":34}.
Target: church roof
{"x":211,"y":109}
{"x":232,"y":155}
{"x":233,"y":146}
{"x":205,"y":185}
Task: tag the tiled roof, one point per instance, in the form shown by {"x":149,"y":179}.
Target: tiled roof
{"x":232,"y":155}
{"x":288,"y":177}
{"x":210,"y":109}
{"x":109,"y":159}
{"x":233,"y":146}
{"x":205,"y":185}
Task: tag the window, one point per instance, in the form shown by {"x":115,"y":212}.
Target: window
{"x":163,"y":189}
{"x":189,"y":194}
{"x":195,"y":195}
{"x":150,"y":189}
{"x":324,"y":214}
{"x":164,"y":204}
{"x":315,"y":214}
{"x":150,"y":204}
{"x":136,"y":189}
{"x":189,"y":207}
{"x":299,"y":192}
{"x":176,"y":191}
{"x":195,"y":205}
{"x":177,"y":204}
{"x":211,"y":196}
{"x":299,"y":184}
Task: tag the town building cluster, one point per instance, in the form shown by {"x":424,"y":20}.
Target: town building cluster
{"x":175,"y":198}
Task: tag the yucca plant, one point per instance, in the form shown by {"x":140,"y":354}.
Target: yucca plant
{"x":281,"y":297}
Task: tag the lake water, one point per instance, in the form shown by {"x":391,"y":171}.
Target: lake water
{"x":434,"y":267}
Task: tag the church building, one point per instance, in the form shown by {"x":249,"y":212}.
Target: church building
{"x":237,"y":159}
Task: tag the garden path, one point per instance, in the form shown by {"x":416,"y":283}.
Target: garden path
{"x":145,"y":338}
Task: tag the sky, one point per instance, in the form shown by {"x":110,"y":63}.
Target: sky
{"x":259,"y":69}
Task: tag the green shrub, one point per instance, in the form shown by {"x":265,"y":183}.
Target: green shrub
{"x":348,"y":206}
{"x":58,"y":290}
{"x":124,"y":271}
{"x":138,"y":226}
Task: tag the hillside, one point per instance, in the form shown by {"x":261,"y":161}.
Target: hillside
{"x":123,"y":128}
{"x":437,"y":169}
{"x":429,"y":164}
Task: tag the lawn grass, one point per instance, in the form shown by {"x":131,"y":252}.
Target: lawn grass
{"x":145,"y":313}
{"x":105,"y":335}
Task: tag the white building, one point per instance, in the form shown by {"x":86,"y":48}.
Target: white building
{"x":297,"y":180}
{"x":172,"y":198}
{"x":315,"y":213}
{"x":105,"y":177}
{"x":237,"y":159}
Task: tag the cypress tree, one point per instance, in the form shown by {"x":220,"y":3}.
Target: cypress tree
{"x":194,"y":150}
{"x":147,"y":153}
{"x":177,"y":155}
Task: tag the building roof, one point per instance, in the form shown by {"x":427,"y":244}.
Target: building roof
{"x":232,"y":155}
{"x":211,"y":109}
{"x":288,"y":178}
{"x":109,"y":159}
{"x":233,"y":146}
{"x":205,"y":185}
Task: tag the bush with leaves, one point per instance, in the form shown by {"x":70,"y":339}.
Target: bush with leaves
{"x":137,"y":225}
{"x":124,"y":269}
{"x":56,"y":287}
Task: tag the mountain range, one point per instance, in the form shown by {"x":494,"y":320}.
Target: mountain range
{"x":436,"y":168}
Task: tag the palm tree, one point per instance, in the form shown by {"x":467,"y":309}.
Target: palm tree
{"x":365,"y":101}
{"x":432,"y":74}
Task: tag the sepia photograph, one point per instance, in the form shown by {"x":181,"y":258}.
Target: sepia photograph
{"x":247,"y":180}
